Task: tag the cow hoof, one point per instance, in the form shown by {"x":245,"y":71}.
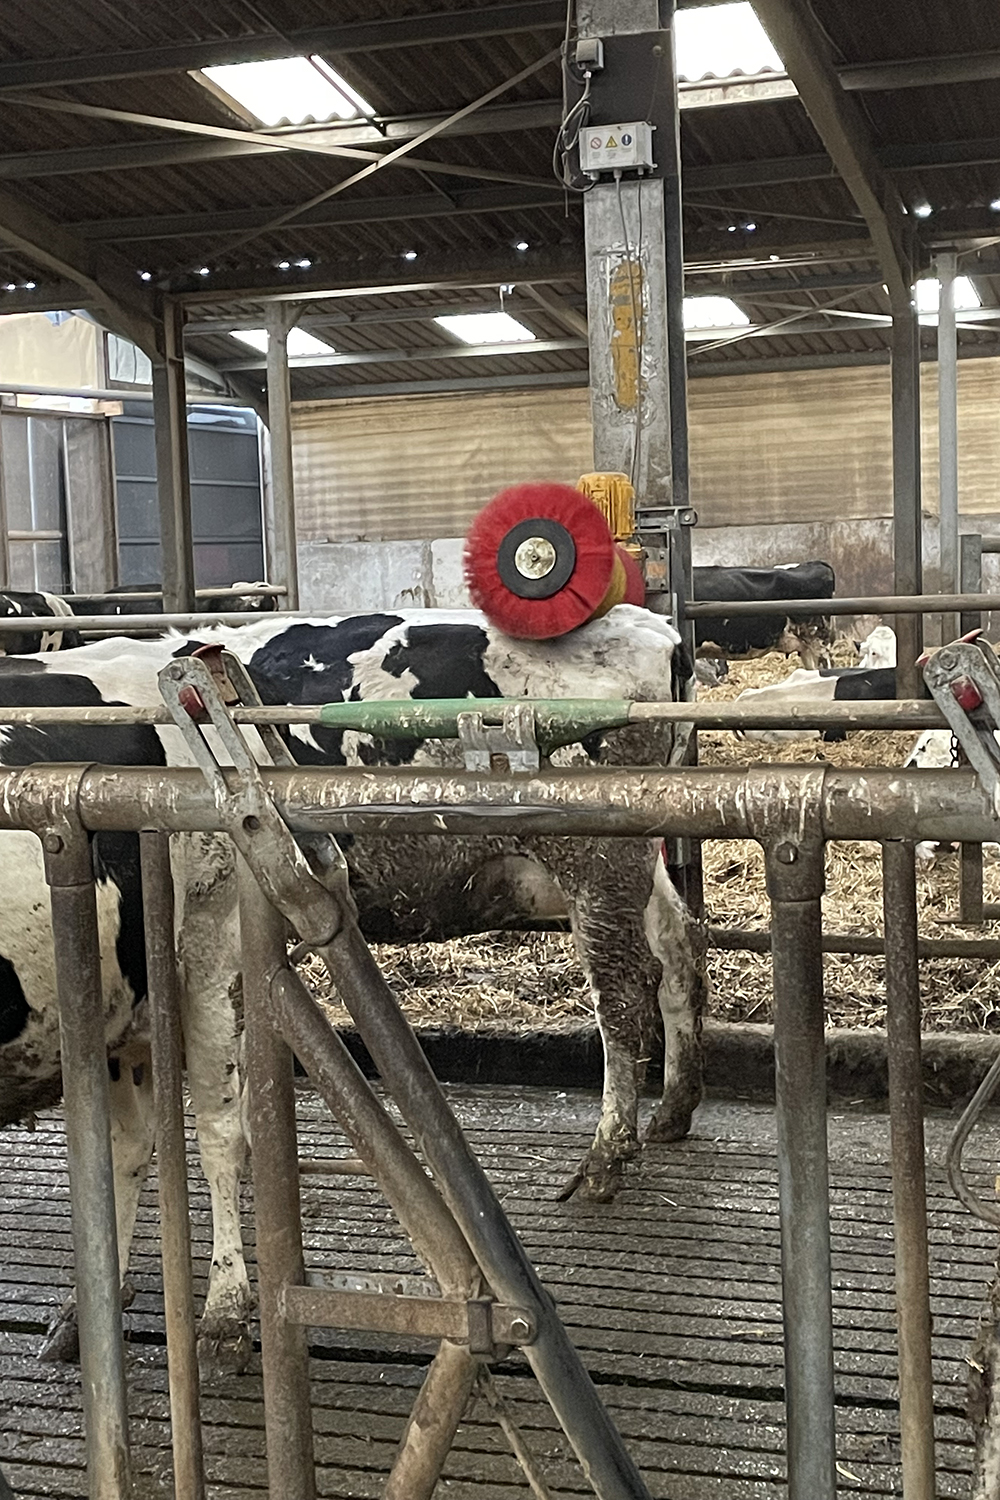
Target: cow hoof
{"x":672,"y":1125}
{"x":224,"y":1348}
{"x":61,"y":1344}
{"x":596,"y":1180}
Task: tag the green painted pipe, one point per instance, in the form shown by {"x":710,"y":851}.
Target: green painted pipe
{"x":558,"y":721}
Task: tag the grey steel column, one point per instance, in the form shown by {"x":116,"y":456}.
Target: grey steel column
{"x":947,"y":363}
{"x":906,"y":537}
{"x":909,"y":1190}
{"x":270,"y":1079}
{"x":625,"y":238}
{"x":171,"y":1166}
{"x":795,"y":885}
{"x":69,"y":872}
{"x":173,"y":481}
{"x":279,"y":421}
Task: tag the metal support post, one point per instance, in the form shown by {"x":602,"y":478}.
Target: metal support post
{"x":947,"y":363}
{"x":173,"y":480}
{"x":971,"y":560}
{"x":624,"y":226}
{"x":795,"y":886}
{"x":285,"y":569}
{"x":171,"y":1158}
{"x":906,"y":534}
{"x":69,"y":872}
{"x":270,"y":1078}
{"x":909,"y":1189}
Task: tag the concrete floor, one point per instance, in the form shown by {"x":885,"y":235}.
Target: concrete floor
{"x":671,"y":1294}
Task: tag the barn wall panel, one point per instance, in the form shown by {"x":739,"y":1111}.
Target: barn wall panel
{"x":804,"y":446}
{"x":421,"y":467}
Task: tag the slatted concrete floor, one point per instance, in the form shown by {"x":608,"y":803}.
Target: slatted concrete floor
{"x":671,"y":1294}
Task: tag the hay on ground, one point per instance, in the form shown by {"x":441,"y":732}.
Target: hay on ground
{"x":510,"y":982}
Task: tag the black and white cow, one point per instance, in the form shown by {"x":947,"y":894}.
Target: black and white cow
{"x":836,"y":685}
{"x":16,"y":604}
{"x":747,"y":636}
{"x":632,"y":932}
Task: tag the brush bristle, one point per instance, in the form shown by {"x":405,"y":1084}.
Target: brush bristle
{"x":576,"y":601}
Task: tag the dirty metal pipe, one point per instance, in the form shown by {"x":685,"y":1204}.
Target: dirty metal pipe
{"x":88,"y":1144}
{"x":909,"y":1190}
{"x":870,"y":604}
{"x":735,"y":939}
{"x":270,"y":1077}
{"x":432,"y":1424}
{"x":467,"y":1191}
{"x":703,"y":801}
{"x":795,"y":884}
{"x":171,"y":1157}
{"x":889,"y":714}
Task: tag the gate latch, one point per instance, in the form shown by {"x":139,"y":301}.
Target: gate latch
{"x":964,"y":680}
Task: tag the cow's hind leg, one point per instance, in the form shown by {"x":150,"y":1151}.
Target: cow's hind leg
{"x":204,"y":869}
{"x":608,"y":883}
{"x":133,"y":1130}
{"x":675,"y":939}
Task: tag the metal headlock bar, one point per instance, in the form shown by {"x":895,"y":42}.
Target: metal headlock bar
{"x":488,"y":1290}
{"x":491,"y":1296}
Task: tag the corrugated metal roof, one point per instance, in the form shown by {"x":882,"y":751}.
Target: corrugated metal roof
{"x":437,"y":215}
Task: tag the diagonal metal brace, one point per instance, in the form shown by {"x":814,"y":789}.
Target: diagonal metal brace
{"x":197,"y":695}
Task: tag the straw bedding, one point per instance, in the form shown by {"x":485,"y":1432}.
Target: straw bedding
{"x":521,"y":982}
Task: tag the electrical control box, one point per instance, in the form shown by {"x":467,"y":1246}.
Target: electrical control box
{"x":627,"y":147}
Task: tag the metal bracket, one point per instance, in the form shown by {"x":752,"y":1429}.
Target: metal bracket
{"x":479,"y":1322}
{"x":513,"y":741}
{"x":964,"y":679}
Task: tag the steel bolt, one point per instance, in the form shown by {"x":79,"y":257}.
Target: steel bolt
{"x":520,"y":1330}
{"x":786,"y":853}
{"x":52,"y":843}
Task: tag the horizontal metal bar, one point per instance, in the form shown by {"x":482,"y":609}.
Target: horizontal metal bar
{"x":119,"y":624}
{"x":421,"y":1317}
{"x":264,"y":589}
{"x":327,"y":1166}
{"x":735,"y":939}
{"x":893,"y":604}
{"x":415,"y":356}
{"x":700,"y":802}
{"x":886,"y":713}
{"x":36,"y":536}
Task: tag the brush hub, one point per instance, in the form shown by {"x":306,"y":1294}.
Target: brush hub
{"x":536,"y":558}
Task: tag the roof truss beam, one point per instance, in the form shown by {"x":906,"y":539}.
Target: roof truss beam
{"x":139,"y":155}
{"x":413,"y":356}
{"x":335,"y":213}
{"x":355,"y":37}
{"x":805,"y":51}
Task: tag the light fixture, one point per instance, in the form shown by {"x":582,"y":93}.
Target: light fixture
{"x":284,"y":265}
{"x":292,"y":89}
{"x":29,"y":286}
{"x":298,"y":343}
{"x":712,"y":312}
{"x":927,"y":294}
{"x":486,"y":328}
{"x":750,"y":226}
{"x":145,"y":275}
{"x":11,"y":286}
{"x":922,"y":211}
{"x":303,"y":264}
{"x":409,"y":255}
{"x":995,"y":205}
{"x":521,"y":245}
{"x":731,"y":228}
{"x":203,"y":271}
{"x":774,"y":257}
